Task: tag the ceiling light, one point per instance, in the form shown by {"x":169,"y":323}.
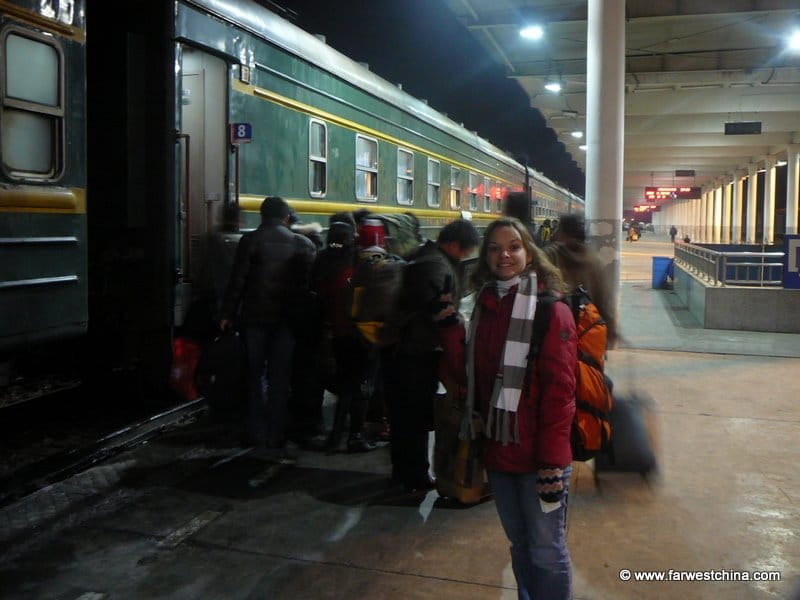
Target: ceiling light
{"x":569,"y":114}
{"x":553,"y":86}
{"x":582,"y":147}
{"x":794,"y":40}
{"x":781,"y":163}
{"x":531,"y":32}
{"x":577,"y":134}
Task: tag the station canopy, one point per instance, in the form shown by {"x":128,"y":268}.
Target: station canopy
{"x":710,"y":86}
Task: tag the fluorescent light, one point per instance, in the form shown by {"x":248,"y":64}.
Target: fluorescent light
{"x":552,"y":86}
{"x":781,"y":163}
{"x":582,"y":147}
{"x":577,"y":134}
{"x":794,"y":40}
{"x":532,"y":32}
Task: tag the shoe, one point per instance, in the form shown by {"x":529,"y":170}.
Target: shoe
{"x":420,"y":485}
{"x":318,"y":443}
{"x":336,"y":443}
{"x":358,"y":443}
{"x":289,"y":454}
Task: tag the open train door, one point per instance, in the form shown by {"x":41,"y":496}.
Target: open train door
{"x":202,"y":121}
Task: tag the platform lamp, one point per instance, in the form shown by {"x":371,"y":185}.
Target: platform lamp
{"x":553,"y":84}
{"x":793,"y":40}
{"x":531,"y":27}
{"x":531,"y":31}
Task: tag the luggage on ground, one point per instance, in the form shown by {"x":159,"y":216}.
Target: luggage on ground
{"x":460,"y":474}
{"x":633,"y":448}
{"x":219,"y":373}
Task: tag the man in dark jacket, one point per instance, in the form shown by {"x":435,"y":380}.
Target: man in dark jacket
{"x":270,"y":279}
{"x":410,"y":359}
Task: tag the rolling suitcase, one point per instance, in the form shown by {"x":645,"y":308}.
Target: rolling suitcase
{"x":219,"y":374}
{"x":633,"y":446}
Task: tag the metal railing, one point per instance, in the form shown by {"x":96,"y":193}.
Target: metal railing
{"x":761,"y":269}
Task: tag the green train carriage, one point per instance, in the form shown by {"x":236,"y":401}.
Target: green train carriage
{"x":150,"y":157}
{"x":43,"y":222}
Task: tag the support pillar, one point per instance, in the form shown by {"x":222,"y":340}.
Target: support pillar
{"x":727,"y":189}
{"x":769,"y":201}
{"x":736,"y":222}
{"x":716,"y":215}
{"x":792,"y":180}
{"x":605,"y":129}
{"x":750,"y":234}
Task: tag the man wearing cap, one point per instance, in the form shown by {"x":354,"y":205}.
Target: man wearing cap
{"x":270,"y":278}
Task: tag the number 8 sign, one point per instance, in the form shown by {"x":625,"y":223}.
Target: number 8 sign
{"x":241,"y":133}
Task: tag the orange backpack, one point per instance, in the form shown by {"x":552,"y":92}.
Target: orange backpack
{"x":591,"y":428}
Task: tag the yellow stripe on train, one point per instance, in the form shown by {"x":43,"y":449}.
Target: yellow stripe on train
{"x":42,"y":199}
{"x":322,"y":207}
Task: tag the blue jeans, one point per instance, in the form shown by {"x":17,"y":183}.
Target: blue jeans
{"x":539,"y":553}
{"x":269,"y":370}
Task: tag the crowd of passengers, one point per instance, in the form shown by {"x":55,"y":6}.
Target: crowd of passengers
{"x":289,"y":296}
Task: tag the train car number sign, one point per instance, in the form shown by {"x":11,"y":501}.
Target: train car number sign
{"x":241,"y":133}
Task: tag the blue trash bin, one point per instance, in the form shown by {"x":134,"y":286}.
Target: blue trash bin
{"x":662,"y":270}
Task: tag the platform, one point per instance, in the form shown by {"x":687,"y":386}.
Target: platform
{"x":189,"y":516}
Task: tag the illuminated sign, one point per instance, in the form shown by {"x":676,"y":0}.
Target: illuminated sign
{"x":646,"y":208}
{"x":651,"y":194}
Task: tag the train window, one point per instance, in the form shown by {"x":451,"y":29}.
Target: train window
{"x":434,"y":182}
{"x":405,"y":177}
{"x":473,"y":191}
{"x":455,"y":190}
{"x":487,"y":195}
{"x":498,"y":197}
{"x":317,"y":157}
{"x":366,"y":169}
{"x":32,"y":107}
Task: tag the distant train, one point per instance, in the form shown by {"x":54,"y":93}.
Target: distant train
{"x":128,"y":126}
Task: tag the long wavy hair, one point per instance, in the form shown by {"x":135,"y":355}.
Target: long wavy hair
{"x":546,"y":272}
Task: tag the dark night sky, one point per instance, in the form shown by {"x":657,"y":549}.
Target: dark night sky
{"x":421,"y":45}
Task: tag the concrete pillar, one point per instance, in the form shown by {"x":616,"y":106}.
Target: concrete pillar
{"x":605,"y":132}
{"x":792,"y":181}
{"x":769,"y":200}
{"x":697,"y":211}
{"x":683,"y":217}
{"x":750,"y":234}
{"x":712,"y":193}
{"x":716,"y":217}
{"x":704,"y":217}
{"x":727,"y":188}
{"x":701,"y":216}
{"x":736,"y":222}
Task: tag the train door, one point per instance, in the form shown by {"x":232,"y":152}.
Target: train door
{"x":202,"y":120}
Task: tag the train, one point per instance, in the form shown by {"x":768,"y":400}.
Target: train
{"x":129,"y":126}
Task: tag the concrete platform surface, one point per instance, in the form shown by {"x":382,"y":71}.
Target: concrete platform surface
{"x":190,"y":516}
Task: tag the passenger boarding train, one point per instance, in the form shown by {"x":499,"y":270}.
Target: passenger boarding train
{"x":127,"y":126}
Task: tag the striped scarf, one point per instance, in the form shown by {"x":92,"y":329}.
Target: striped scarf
{"x":513,"y":365}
